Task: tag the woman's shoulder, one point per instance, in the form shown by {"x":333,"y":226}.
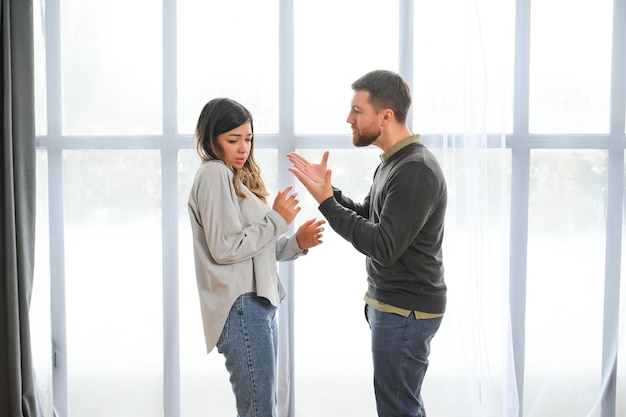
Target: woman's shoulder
{"x":212,"y":173}
{"x":213,"y":164}
{"x":214,"y":167}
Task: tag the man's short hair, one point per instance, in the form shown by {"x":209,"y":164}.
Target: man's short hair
{"x":388,"y":90}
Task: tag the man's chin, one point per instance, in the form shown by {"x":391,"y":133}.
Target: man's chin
{"x":361,"y":142}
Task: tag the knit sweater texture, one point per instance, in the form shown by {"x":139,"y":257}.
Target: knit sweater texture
{"x":400,"y":228}
{"x":236,"y":243}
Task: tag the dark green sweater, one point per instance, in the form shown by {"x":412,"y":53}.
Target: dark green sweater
{"x":399,"y":227}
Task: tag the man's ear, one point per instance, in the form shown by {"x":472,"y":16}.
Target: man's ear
{"x":387,"y":116}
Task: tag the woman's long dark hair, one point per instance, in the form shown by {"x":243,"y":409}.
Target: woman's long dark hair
{"x":218,"y":116}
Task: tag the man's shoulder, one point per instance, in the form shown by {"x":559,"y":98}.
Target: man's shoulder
{"x":412,"y":153}
{"x":415,"y":158}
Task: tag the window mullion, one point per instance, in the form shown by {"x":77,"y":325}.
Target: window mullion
{"x":520,"y":182}
{"x":406,"y":45}
{"x":286,"y":143}
{"x":57,"y":282}
{"x":615,"y":195}
{"x":169,"y":216}
{"x":58,"y":318}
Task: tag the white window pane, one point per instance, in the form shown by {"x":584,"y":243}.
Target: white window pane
{"x":111,"y":67}
{"x":476,"y":260}
{"x":336,"y":42}
{"x":113,"y":282}
{"x":228,"y":49}
{"x":565,"y":281}
{"x":203,"y":378}
{"x":570,"y":66}
{"x":39,"y":44}
{"x":463,"y":78}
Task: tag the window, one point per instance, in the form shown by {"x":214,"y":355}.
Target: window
{"x":524,"y":108}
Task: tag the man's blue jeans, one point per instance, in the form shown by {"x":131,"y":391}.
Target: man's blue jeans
{"x":249,"y":343}
{"x":400,"y":349}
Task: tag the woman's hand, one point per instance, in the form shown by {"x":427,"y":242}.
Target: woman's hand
{"x":286,"y":204}
{"x":309,"y":234}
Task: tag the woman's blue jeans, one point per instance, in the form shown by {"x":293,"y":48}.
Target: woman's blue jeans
{"x":249,"y":343}
{"x":400,"y":349}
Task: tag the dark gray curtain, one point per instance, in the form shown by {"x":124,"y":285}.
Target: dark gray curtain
{"x":18,"y":390}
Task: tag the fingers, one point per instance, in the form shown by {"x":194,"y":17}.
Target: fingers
{"x":314,"y":223}
{"x":302,"y":163}
{"x":297,"y":161}
{"x":292,"y":197}
{"x":303,"y":169}
{"x":284,"y":195}
{"x":325,"y":158}
{"x":300,"y":176}
{"x":295,"y":158}
{"x":310,"y":233}
{"x":286,"y":204}
{"x":284,"y":192}
{"x":328,"y":176}
{"x":316,"y":229}
{"x":318,"y":224}
{"x":308,"y":222}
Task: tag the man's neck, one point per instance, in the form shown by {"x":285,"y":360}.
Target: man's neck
{"x":391,"y":136}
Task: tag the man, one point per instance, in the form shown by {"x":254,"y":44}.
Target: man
{"x":399,"y":227}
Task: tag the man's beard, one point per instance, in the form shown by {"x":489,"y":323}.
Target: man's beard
{"x":363,"y":139}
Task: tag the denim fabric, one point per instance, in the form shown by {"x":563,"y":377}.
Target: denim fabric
{"x":249,"y":343}
{"x":400,"y":349}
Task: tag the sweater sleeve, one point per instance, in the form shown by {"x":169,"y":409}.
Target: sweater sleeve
{"x":215,"y":208}
{"x":362,"y":209}
{"x":406,"y":201}
{"x":287,"y":248}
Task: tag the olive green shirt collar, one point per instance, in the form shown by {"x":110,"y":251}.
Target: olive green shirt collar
{"x":395,"y":148}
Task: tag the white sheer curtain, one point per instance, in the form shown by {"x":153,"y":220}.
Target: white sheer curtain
{"x":463,"y":99}
{"x":469,"y":81}
{"x":526,"y":339}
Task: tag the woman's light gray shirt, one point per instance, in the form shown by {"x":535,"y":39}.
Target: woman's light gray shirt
{"x":237,"y":242}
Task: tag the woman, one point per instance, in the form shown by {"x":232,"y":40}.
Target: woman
{"x":237,"y":240}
